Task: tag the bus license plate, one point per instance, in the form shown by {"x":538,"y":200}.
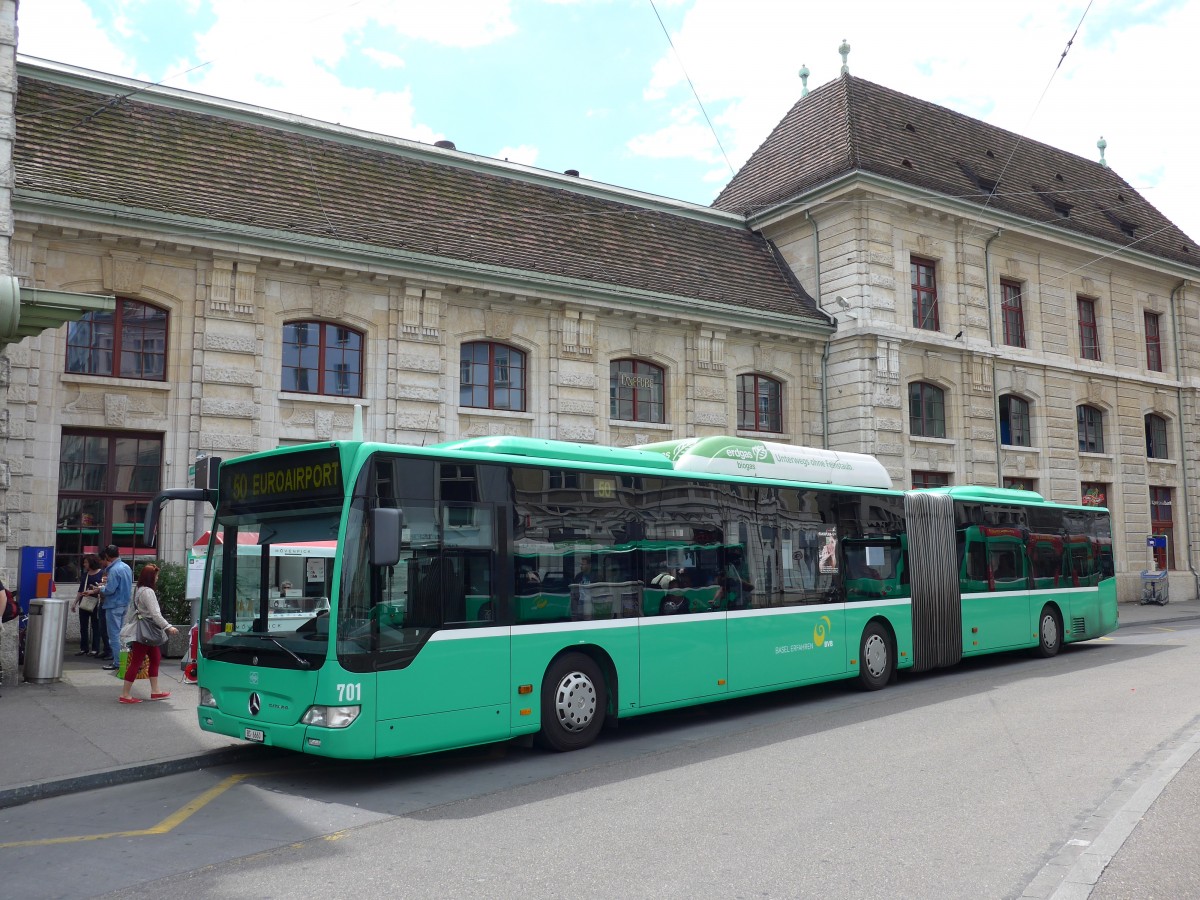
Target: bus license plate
{"x":253,"y":734}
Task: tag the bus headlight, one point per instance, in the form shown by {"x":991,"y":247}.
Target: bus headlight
{"x":330,"y":716}
{"x":207,"y":699}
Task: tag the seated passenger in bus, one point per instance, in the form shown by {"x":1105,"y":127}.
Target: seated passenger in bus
{"x":735,"y":586}
{"x":583,"y":575}
{"x":528,"y":581}
{"x":673,"y":585}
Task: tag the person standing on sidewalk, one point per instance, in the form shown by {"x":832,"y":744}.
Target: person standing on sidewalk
{"x":145,"y":606}
{"x":89,"y":619}
{"x":117,"y":592}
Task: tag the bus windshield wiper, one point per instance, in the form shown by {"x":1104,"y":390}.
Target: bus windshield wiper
{"x":304,"y":662}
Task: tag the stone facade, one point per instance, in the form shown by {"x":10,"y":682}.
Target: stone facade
{"x":223,"y":397}
{"x":8,"y":89}
{"x":865,"y":242}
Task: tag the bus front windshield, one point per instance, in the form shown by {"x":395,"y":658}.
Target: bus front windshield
{"x":267,"y":596}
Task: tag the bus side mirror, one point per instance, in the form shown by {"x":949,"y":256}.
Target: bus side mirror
{"x":387,"y":526}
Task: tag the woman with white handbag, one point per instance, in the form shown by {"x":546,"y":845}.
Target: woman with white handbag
{"x":86,"y":603}
{"x":146,"y":631}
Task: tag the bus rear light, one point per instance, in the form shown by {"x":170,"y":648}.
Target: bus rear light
{"x":207,"y":699}
{"x":524,"y":688}
{"x":331,"y":716}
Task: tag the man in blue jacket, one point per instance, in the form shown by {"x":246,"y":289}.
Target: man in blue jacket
{"x":115,"y":594}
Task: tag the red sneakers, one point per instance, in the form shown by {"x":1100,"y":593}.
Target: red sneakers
{"x":129,"y":699}
{"x":163,"y":696}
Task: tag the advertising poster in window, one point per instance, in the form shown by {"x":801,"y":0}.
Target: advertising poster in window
{"x":316,"y":570}
{"x":827,"y":563}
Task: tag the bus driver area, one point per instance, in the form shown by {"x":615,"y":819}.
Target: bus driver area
{"x":419,"y":599}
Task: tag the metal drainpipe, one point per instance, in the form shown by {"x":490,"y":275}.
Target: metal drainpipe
{"x":1182,"y":445}
{"x":825,"y":350}
{"x":987,"y":275}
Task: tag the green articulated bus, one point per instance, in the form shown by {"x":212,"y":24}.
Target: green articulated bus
{"x":366,"y":600}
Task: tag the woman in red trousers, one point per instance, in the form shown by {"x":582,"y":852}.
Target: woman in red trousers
{"x":144,"y":604}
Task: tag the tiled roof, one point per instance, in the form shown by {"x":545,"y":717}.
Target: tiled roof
{"x":246,"y":171}
{"x":850,"y":124}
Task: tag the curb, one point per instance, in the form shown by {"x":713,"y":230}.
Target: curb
{"x":27,"y":793}
{"x":1183,"y":617}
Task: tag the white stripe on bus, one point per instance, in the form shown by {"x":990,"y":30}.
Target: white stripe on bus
{"x":1048,"y":593}
{"x":458,"y":634}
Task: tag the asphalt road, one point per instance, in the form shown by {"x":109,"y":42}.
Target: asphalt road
{"x":986,"y":780}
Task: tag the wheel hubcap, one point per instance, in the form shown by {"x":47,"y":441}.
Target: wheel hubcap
{"x":875,"y":655}
{"x":1049,"y":631}
{"x":575,"y":702}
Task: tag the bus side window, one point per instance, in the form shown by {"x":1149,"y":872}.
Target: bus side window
{"x":976,"y":563}
{"x":1007,"y":569}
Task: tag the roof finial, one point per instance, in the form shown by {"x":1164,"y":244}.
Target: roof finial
{"x":804,"y":79}
{"x":1102,"y":144}
{"x":845,"y":51}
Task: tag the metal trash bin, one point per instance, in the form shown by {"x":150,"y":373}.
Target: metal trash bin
{"x":45,"y":638}
{"x":1154,"y":587}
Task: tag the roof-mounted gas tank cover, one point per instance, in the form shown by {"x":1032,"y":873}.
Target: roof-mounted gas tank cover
{"x":762,"y":459}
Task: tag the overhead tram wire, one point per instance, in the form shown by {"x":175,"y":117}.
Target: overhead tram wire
{"x":699,"y":103}
{"x":1037,"y":106}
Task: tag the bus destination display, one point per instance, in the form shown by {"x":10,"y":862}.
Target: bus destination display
{"x":279,"y":482}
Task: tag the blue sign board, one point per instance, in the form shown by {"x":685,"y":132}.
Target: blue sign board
{"x":1157,"y":541}
{"x":36,"y":574}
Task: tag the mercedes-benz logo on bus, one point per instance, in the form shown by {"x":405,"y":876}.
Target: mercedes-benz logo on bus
{"x":255,"y":703}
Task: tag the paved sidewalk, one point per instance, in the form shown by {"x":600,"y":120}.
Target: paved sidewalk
{"x":73,"y":735}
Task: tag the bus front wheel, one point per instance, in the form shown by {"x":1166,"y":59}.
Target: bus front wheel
{"x":574,"y":702}
{"x":875,"y":662}
{"x":1049,"y":633}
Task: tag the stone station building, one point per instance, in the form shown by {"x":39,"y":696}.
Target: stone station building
{"x":882,"y":276}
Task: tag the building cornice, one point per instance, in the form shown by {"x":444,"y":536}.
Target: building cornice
{"x":987,"y":217}
{"x":229,"y":238}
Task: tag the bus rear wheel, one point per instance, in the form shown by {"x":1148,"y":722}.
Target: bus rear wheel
{"x":875,"y":660}
{"x":574,"y":703}
{"x":1049,"y":633}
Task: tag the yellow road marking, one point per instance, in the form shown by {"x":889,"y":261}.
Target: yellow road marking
{"x":171,"y":822}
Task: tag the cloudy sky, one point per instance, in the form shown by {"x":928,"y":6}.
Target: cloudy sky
{"x":595,"y":85}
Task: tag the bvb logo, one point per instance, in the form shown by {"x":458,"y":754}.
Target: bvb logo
{"x":821,"y":629}
{"x":240,"y":485}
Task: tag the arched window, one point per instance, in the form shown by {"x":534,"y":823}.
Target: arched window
{"x":322,"y":358}
{"x":129,"y":342}
{"x":926,"y":410}
{"x":1014,"y":422}
{"x":636,"y":391}
{"x":491,"y":376}
{"x":1156,"y":437}
{"x":759,"y":403}
{"x":1089,"y":422}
